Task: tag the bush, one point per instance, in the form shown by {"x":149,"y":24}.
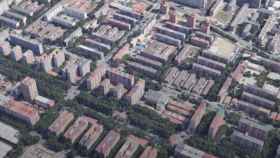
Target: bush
{"x":15,"y":153}
{"x":204,"y":125}
{"x":151,"y":121}
{"x":48,"y":86}
{"x":53,"y":144}
{"x":28,"y":139}
{"x":233,"y":118}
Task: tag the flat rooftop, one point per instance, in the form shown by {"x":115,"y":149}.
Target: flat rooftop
{"x":76,"y":129}
{"x":4,"y":149}
{"x":8,"y":133}
{"x":86,"y":6}
{"x":45,"y":30}
{"x":223,"y":48}
{"x":138,"y":6}
{"x":21,"y":109}
{"x":108,"y":143}
{"x":37,"y":151}
{"x":30,"y":6}
{"x":160,"y":49}
{"x":62,"y":121}
{"x":109,"y":32}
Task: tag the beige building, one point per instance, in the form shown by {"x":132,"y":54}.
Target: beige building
{"x":5,"y":48}
{"x":136,"y":92}
{"x":95,"y":77}
{"x":16,"y":53}
{"x":28,"y":57}
{"x":105,"y":86}
{"x":28,"y":88}
{"x":46,"y":63}
{"x":58,"y":58}
{"x":61,"y":123}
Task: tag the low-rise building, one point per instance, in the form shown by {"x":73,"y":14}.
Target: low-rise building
{"x":108,"y":143}
{"x":224,"y":90}
{"x":186,"y":151}
{"x":248,"y":142}
{"x":91,"y":136}
{"x":9,"y":22}
{"x":61,"y":123}
{"x":258,"y":91}
{"x":44,"y":102}
{"x":20,"y":110}
{"x":197,"y":117}
{"x":250,"y":108}
{"x":278,"y":152}
{"x":116,"y":76}
{"x":182,"y":56}
{"x":254,"y":99}
{"x":200,"y":42}
{"x":128,"y":149}
{"x":9,"y":133}
{"x":205,"y":70}
{"x":182,"y":108}
{"x":147,"y":70}
{"x":159,"y":51}
{"x":149,"y":152}
{"x":26,"y":43}
{"x":254,"y":129}
{"x":4,"y":149}
{"x":77,"y":129}
{"x":215,"y":125}
{"x":38,"y":150}
{"x":157,"y":99}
